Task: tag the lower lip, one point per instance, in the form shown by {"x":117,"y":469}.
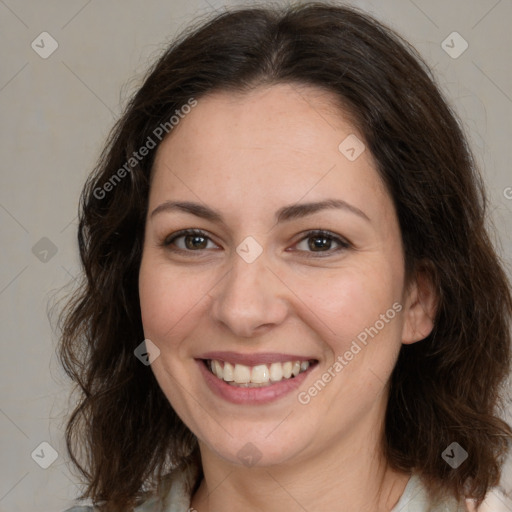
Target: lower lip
{"x":262,"y":395}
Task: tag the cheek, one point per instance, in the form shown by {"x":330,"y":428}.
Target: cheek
{"x":169,"y":299}
{"x":158,"y":300}
{"x":348,"y":300}
{"x":357,"y":315}
{"x":152,"y":303}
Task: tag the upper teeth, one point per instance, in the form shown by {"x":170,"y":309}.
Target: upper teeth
{"x":260,"y":374}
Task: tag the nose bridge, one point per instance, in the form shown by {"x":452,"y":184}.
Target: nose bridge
{"x":249,"y":297}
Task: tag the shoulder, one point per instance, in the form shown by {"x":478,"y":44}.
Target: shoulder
{"x":80,"y":509}
{"x":415,"y":498}
{"x":175,"y":492}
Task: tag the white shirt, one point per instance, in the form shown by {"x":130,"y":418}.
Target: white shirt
{"x":176,"y":497}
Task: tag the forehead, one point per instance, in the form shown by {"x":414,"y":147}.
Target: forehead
{"x":279,"y":118}
{"x":280,"y":142}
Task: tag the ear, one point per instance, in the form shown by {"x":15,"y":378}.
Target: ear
{"x":420,"y":306}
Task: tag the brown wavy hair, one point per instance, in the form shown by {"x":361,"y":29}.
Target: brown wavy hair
{"x":123,"y":435}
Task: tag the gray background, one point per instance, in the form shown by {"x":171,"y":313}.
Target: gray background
{"x":56,"y":113}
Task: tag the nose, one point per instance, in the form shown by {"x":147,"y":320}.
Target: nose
{"x":250,"y":299}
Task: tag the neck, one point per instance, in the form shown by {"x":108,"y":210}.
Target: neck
{"x":348,"y":477}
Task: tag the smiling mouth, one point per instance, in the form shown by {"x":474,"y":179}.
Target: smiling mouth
{"x":262,"y":375}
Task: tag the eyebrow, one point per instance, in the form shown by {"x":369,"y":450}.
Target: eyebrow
{"x":284,"y":214}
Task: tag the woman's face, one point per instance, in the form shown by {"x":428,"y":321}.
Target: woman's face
{"x":254,"y":292}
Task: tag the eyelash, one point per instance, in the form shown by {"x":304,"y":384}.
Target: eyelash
{"x":317,"y":233}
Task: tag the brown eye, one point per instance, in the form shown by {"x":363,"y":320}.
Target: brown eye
{"x":319,"y":243}
{"x":188,"y":240}
{"x":195,"y":242}
{"x":322,"y":242}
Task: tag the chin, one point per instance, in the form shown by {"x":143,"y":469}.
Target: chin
{"x":251,"y":446}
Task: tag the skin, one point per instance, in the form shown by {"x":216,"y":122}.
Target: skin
{"x":246,"y":156}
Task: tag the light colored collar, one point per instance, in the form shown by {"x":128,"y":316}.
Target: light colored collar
{"x":415,"y":498}
{"x":180,"y":482}
{"x":177,"y":488}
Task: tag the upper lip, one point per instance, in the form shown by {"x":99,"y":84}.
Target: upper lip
{"x":255,"y":358}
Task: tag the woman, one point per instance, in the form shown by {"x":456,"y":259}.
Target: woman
{"x":289,"y":216}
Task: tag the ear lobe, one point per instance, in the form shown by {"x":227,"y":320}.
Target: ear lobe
{"x":420,"y":308}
